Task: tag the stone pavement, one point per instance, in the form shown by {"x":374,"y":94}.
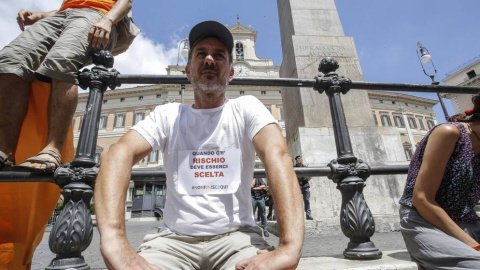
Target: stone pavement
{"x":319,"y":252}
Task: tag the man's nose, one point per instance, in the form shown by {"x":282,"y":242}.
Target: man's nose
{"x":209,"y":60}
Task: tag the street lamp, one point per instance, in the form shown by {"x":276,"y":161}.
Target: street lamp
{"x":184,"y":53}
{"x":425,"y":58}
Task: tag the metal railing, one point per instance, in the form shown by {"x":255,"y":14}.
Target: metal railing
{"x":347,"y":171}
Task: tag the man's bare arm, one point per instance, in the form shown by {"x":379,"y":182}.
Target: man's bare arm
{"x":26,"y":17}
{"x":272,"y":150}
{"x":110,"y":193}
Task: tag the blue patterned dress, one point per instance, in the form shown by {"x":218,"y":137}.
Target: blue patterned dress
{"x":459,"y":191}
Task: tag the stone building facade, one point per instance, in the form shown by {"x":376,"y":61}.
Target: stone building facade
{"x":465,"y":75}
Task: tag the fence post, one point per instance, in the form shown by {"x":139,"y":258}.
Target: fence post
{"x":73,"y":230}
{"x":347,"y":171}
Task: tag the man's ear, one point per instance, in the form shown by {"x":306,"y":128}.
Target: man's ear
{"x":187,"y":71}
{"x":231,"y":73}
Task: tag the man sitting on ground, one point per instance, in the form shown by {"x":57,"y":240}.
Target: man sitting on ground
{"x":209,"y":153}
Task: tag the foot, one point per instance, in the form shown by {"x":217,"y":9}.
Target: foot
{"x":309,"y":217}
{"x":5,"y":163}
{"x":40,"y":161}
{"x":265,"y":233}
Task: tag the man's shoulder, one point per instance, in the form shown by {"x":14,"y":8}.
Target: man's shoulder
{"x":245,"y":100}
{"x":168,"y":108}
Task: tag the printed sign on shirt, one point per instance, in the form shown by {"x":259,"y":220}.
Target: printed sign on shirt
{"x":209,"y":171}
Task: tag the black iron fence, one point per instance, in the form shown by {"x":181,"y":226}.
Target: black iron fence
{"x":73,"y":230}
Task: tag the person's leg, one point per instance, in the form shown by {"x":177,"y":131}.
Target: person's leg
{"x":431,"y":248}
{"x":306,"y":201}
{"x":62,"y":105}
{"x":172,"y":251}
{"x":270,"y":209}
{"x":14,"y":92}
{"x":261,"y":212}
{"x":17,"y":62}
{"x":225,"y":252}
{"x":69,"y":53}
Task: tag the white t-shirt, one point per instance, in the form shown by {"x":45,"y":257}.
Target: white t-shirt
{"x":209,"y":159}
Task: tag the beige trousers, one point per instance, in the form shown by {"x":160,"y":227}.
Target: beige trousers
{"x":173,"y":251}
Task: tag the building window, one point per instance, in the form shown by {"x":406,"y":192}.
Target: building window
{"x":471,"y":74}
{"x":138,"y":117}
{"x":242,"y":93}
{"x":102,"y":124}
{"x":122,"y":99}
{"x":105,"y":101}
{"x":394,"y":102}
{"x":120,"y":120}
{"x":411,"y":122}
{"x":408,"y":153}
{"x":179,"y":93}
{"x":280,"y":91}
{"x":159,"y":95}
{"x":73,"y":122}
{"x":239,"y":51}
{"x":420,"y":121}
{"x":430,"y":124}
{"x":263,"y":92}
{"x":80,"y":124}
{"x":375,"y":118}
{"x":153,"y":156}
{"x":140,"y":98}
{"x":398,"y":121}
{"x":385,"y":120}
{"x":280,"y":111}
{"x":381,"y":101}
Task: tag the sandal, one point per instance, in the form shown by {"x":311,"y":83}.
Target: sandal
{"x":5,"y":164}
{"x":49,"y":168}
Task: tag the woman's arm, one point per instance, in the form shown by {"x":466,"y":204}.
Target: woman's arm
{"x":438,"y":151}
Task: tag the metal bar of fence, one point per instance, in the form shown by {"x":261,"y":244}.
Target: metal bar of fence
{"x":152,"y":175}
{"x":288,"y":82}
{"x":156,"y":175}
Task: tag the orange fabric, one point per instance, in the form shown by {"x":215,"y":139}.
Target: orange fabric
{"x":103,"y":6}
{"x":26,"y":207}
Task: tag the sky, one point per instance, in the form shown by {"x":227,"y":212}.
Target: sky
{"x":385,"y":32}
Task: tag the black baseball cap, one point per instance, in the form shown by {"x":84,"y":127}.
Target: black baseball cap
{"x":211,"y":29}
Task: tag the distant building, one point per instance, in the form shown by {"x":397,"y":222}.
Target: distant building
{"x":123,"y":108}
{"x":464,"y":75}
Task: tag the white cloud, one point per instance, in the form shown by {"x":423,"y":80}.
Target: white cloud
{"x":144,"y":56}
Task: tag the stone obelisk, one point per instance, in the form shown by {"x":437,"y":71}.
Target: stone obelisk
{"x":311,"y":30}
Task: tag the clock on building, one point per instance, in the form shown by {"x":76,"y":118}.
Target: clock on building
{"x":241,"y":70}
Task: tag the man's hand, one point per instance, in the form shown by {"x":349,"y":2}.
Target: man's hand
{"x":276,"y":259}
{"x":26,"y":17}
{"x":99,"y":35}
{"x":119,"y":255}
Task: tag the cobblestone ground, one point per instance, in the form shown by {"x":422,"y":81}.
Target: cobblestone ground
{"x":314,"y":246}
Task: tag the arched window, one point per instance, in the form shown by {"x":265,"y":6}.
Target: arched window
{"x":398,"y":121}
{"x":239,"y":51}
{"x":385,"y":120}
{"x":430,"y":124}
{"x":407,"y":148}
{"x":412,"y":123}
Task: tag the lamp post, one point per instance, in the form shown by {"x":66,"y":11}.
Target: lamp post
{"x":184,"y":53}
{"x":425,"y":58}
